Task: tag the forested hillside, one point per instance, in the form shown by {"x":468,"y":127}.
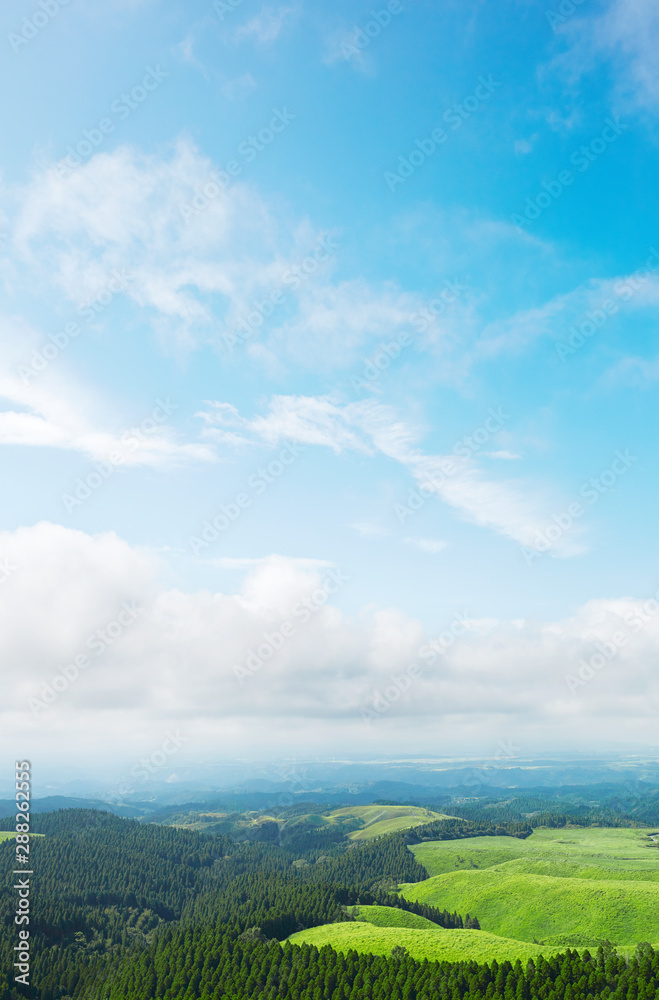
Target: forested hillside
{"x":123,"y":909}
{"x":104,"y":886}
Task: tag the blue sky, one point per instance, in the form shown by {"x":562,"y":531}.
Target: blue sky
{"x":296,"y":289}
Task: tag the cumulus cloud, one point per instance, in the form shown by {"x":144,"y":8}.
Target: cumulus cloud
{"x":279,"y":656}
{"x":134,"y":213}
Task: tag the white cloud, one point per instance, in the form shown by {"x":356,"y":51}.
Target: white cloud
{"x":275,"y":562}
{"x":626,"y":33}
{"x":368,"y":427}
{"x":630,"y":28}
{"x":201,"y":255}
{"x":134,"y":213}
{"x":175,"y":661}
{"x":523,"y":147}
{"x":634,"y":371}
{"x":314,"y":420}
{"x":185,"y":51}
{"x":345,"y":45}
{"x":54,"y":409}
{"x":239,"y":87}
{"x":334,"y":321}
{"x":556,"y":317}
{"x":266,"y":27}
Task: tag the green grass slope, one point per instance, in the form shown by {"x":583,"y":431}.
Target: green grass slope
{"x":391,"y":916}
{"x":544,"y":907}
{"x":378,"y":820}
{"x":572,"y":869}
{"x":556,"y":889}
{"x":614,"y":849}
{"x":435,"y":945}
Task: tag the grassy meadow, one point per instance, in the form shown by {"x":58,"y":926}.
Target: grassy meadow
{"x":435,"y":945}
{"x":378,"y":820}
{"x":558,"y":888}
{"x":388,"y":916}
{"x":606,"y":848}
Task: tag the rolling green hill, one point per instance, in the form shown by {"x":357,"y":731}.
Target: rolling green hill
{"x":390,"y":916}
{"x":568,"y":886}
{"x":623,"y":849}
{"x":544,"y":907}
{"x":572,"y":869}
{"x":378,"y":820}
{"x":435,"y":945}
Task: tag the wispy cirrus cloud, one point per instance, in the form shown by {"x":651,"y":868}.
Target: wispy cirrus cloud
{"x":266,"y":27}
{"x":55,"y":409}
{"x":239,"y":87}
{"x":506,"y":507}
{"x":205,"y":254}
{"x":591,"y":305}
{"x":342,"y":46}
{"x":626,"y":34}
